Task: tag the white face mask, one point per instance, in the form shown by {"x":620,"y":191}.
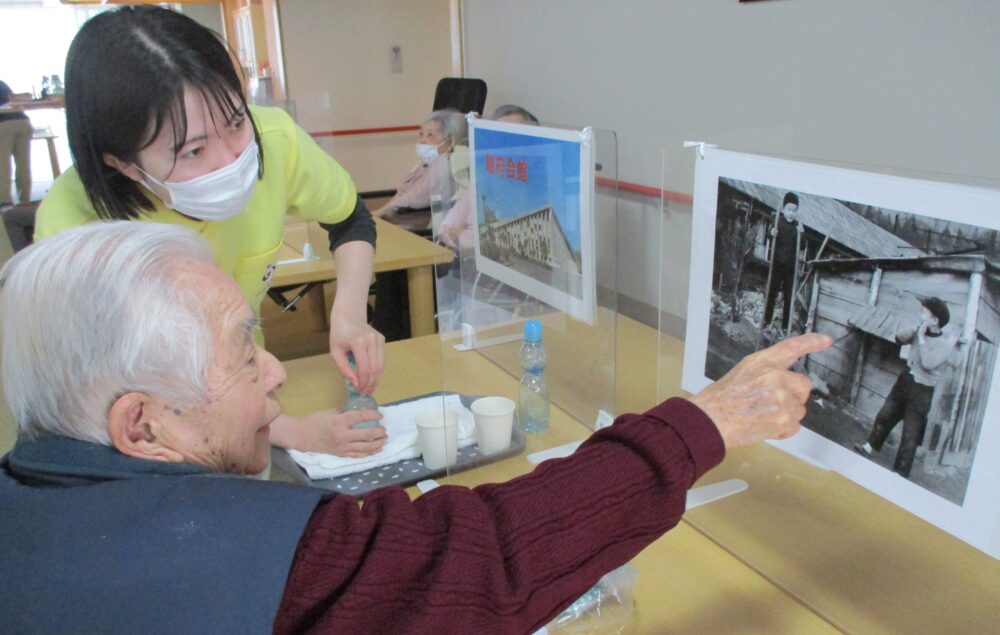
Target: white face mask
{"x":217,"y":195}
{"x":427,"y":152}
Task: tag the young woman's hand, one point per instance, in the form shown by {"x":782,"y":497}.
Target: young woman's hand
{"x":368,"y":346}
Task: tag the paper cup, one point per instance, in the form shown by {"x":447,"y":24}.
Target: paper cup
{"x":494,"y":423}
{"x":437,"y":434}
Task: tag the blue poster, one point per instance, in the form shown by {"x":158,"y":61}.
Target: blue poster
{"x":533,"y":200}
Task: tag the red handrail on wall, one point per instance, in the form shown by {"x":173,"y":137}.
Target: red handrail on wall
{"x":645,"y":190}
{"x":358,"y":131}
{"x":625,"y":186}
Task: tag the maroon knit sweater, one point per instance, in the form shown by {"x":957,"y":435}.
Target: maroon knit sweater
{"x":498,"y":558}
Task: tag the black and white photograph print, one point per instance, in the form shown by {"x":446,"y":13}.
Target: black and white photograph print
{"x":909,"y":294}
{"x":903,"y":383}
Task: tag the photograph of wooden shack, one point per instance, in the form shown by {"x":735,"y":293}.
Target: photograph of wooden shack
{"x":863,"y":303}
{"x":743,"y":246}
{"x":862,"y":274}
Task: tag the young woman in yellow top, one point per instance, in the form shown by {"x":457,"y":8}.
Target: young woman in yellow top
{"x":160,"y":130}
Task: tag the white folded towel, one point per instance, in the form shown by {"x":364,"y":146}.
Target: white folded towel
{"x":401,"y":427}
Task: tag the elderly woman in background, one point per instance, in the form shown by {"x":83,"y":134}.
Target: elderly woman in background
{"x":410,"y":209}
{"x":139,"y":394}
{"x":441,"y":131}
{"x":456,"y":227}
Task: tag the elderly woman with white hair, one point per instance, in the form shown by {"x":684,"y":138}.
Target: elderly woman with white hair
{"x":456,"y":226}
{"x":410,"y":208}
{"x":441,"y":131}
{"x":140,"y":395}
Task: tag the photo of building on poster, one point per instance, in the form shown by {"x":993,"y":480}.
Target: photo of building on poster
{"x":533,"y":202}
{"x":904,"y":276}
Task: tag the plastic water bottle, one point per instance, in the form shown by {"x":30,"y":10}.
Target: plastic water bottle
{"x":533,"y":396}
{"x":358,"y":401}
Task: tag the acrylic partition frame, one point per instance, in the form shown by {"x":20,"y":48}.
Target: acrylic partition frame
{"x":481,"y":319}
{"x":858,"y":560}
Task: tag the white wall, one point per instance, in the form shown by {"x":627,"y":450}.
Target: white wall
{"x":336,"y":56}
{"x":209,"y":15}
{"x":909,"y":85}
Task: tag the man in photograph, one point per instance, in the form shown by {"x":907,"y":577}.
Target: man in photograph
{"x":787,"y":235}
{"x":932,"y":351}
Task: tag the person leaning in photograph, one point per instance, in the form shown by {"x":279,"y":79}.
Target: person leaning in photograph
{"x":787,"y":235}
{"x":931,"y":352}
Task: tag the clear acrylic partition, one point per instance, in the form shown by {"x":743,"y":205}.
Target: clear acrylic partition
{"x":481,"y":319}
{"x":858,"y":560}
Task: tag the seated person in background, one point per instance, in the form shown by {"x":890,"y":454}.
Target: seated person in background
{"x":122,"y":509}
{"x":440,"y":132}
{"x":456,"y":227}
{"x":410,"y":209}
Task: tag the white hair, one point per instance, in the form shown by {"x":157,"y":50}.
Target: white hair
{"x":95,"y":312}
{"x":512,"y":109}
{"x":453,"y":125}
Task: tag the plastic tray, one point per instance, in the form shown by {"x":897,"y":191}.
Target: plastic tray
{"x":404,"y":473}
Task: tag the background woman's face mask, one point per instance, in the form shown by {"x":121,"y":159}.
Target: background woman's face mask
{"x":215,"y":196}
{"x":427,"y":151}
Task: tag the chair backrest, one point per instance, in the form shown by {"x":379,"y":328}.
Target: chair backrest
{"x":464,"y":94}
{"x":19,"y":228}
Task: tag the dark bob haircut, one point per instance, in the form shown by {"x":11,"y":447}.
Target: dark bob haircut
{"x":792,"y":198}
{"x":126,"y":72}
{"x":938,"y":309}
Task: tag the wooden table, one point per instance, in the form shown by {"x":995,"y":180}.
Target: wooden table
{"x":397,"y":249}
{"x":686,"y":583}
{"x":801,"y":551}
{"x":46,"y":134}
{"x":50,"y":102}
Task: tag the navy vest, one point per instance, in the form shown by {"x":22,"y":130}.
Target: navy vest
{"x":93,"y":541}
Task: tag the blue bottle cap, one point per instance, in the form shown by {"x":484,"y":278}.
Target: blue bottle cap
{"x":532,"y":331}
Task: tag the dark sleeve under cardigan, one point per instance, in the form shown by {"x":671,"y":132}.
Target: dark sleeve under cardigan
{"x":358,"y":226}
{"x":498,"y":558}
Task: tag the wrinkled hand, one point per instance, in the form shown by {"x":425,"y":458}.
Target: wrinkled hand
{"x":330,"y":432}
{"x":449,"y":235}
{"x":760,"y":398}
{"x":368,"y":346}
{"x":385,"y":212}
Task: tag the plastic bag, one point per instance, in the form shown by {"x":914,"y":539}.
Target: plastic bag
{"x":605,"y":609}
